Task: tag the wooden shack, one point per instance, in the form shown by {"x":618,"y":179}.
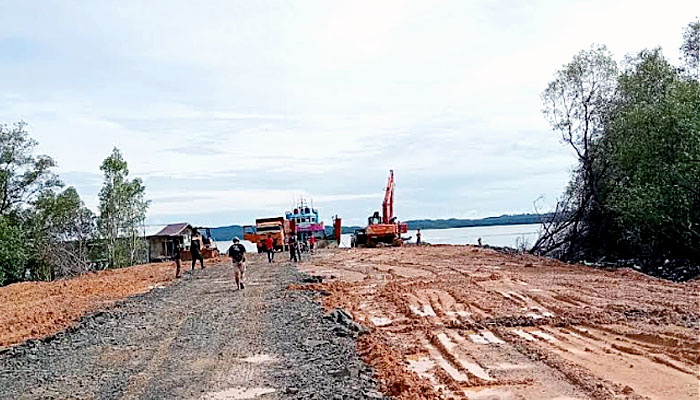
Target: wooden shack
{"x":162,"y":243}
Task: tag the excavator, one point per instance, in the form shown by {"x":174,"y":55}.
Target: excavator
{"x":381,"y":229}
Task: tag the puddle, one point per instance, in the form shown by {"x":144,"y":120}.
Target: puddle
{"x":518,"y":295}
{"x":157,"y":286}
{"x":510,"y":367}
{"x":538,"y":313}
{"x":566,"y":398}
{"x":534,"y":315}
{"x":426,"y":312}
{"x":421,"y":366}
{"x":445,"y":365}
{"x":380,"y":321}
{"x":485,"y":337}
{"x":259,"y":359}
{"x":238,"y":394}
{"x":524,"y":335}
{"x":478,"y":339}
{"x":491,"y":337}
{"x":458,"y":313}
{"x":544,"y":336}
{"x":473,"y":368}
{"x":489,"y":394}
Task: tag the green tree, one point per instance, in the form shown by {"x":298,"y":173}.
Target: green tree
{"x":23,"y":175}
{"x":653,"y":144}
{"x":636,"y":192}
{"x":122,"y":211}
{"x":61,"y":229}
{"x":690,"y":50}
{"x":576,"y":104}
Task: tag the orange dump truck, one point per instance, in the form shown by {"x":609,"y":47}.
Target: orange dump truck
{"x":277,"y":227}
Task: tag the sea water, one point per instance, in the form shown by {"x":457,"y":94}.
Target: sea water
{"x":515,"y":236}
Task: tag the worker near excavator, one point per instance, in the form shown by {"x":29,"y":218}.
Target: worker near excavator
{"x":419,"y":237}
{"x":237,"y":254}
{"x":195,"y":249}
{"x":270,"y":248}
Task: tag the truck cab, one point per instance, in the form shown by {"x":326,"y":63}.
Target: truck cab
{"x":257,"y":234}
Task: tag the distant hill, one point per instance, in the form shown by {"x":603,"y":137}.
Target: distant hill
{"x":518,"y":219}
{"x":226,"y":233}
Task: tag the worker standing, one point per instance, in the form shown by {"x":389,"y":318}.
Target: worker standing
{"x":237,"y":254}
{"x":419,"y":237}
{"x":270,"y":248}
{"x":312,"y":242}
{"x":177,"y":257}
{"x":195,"y":250}
{"x":293,"y":248}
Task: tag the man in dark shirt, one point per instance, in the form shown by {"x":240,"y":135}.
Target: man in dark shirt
{"x":177,"y":257}
{"x":293,"y":248}
{"x":195,"y":247}
{"x":237,"y":254}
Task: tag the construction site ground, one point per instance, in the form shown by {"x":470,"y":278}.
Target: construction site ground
{"x":195,"y":338}
{"x":468,"y":322}
{"x":444,"y":322}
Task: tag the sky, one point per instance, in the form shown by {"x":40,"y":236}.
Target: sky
{"x":230,"y":110}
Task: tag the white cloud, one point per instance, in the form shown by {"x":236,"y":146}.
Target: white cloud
{"x":238,"y":104}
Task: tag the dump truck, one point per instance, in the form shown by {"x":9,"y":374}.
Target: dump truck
{"x":278,"y":227}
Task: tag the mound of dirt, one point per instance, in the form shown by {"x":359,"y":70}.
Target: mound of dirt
{"x":33,"y":310}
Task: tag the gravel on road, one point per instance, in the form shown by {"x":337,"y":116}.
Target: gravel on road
{"x":198,"y":338}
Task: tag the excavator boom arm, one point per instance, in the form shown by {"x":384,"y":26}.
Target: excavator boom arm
{"x":388,"y":204}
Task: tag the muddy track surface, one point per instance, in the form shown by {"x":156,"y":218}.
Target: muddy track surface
{"x":197,"y":339}
{"x":464,"y":322}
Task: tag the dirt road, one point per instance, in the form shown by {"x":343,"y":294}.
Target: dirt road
{"x":196,"y":339}
{"x":465,"y":322}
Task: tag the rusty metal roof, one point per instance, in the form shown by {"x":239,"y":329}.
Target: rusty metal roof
{"x":173,"y":229}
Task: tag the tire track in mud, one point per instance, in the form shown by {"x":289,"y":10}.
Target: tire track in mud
{"x":463,"y":322}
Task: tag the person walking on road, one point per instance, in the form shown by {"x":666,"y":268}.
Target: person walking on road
{"x":237,"y":254}
{"x":270,"y":248}
{"x":419,"y":237}
{"x":293,"y":248}
{"x":195,"y":250}
{"x":177,"y":257}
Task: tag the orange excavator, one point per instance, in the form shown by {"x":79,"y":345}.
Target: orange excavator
{"x":382,"y":229}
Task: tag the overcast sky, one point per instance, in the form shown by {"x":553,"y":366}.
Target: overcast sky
{"x":230,"y":109}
